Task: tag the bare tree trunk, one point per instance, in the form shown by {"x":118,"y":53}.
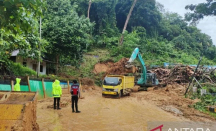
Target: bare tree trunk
{"x":90,"y":2}
{"x":126,"y":22}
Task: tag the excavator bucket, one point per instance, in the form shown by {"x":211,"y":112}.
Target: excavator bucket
{"x":130,"y":69}
{"x":18,"y":111}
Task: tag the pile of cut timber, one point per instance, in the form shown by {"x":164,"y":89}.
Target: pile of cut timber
{"x":179,"y":74}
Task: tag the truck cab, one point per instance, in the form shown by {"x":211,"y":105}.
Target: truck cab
{"x":117,"y":85}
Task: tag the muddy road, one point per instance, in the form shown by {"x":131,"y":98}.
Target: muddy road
{"x":129,"y":113}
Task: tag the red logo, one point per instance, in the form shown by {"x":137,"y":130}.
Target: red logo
{"x":159,"y":127}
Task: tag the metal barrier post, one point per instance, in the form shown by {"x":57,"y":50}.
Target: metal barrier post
{"x":28,"y":84}
{"x":43,"y":88}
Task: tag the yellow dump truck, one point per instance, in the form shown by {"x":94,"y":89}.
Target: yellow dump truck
{"x":18,"y":111}
{"x":117,"y":85}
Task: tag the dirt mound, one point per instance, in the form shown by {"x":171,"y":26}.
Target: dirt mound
{"x":102,"y":67}
{"x":87,"y":81}
{"x":87,"y":87}
{"x":117,"y":68}
{"x":171,"y":98}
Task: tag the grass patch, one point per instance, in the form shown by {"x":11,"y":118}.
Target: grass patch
{"x":87,"y":66}
{"x":209,"y":113}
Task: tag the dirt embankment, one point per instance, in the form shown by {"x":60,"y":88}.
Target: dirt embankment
{"x":110,"y":67}
{"x":171,"y":99}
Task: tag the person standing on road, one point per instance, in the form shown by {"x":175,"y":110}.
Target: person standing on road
{"x":17,"y":85}
{"x":75,"y":92}
{"x":57,"y":92}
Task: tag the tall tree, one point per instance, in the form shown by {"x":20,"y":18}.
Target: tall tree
{"x":19,"y":26}
{"x":144,"y":14}
{"x":89,"y":7}
{"x":200,"y":11}
{"x":126,"y":22}
{"x":66,"y":31}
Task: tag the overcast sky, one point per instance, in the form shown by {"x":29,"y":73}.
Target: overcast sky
{"x":207,"y":25}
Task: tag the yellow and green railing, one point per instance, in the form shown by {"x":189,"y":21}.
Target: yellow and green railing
{"x":42,"y":86}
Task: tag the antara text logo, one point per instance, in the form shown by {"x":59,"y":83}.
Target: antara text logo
{"x":160,"y":128}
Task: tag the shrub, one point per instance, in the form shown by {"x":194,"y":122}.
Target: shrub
{"x":18,"y":70}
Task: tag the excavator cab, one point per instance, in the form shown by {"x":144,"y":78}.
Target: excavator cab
{"x":151,"y":79}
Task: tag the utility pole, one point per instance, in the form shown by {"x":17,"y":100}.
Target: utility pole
{"x":38,"y":70}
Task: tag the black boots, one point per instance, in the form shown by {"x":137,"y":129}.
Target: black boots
{"x":76,"y":111}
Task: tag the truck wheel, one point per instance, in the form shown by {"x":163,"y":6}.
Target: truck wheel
{"x":119,"y":95}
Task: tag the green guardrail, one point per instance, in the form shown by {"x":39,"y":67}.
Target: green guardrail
{"x":24,"y":88}
{"x":48,"y":88}
{"x":36,"y":86}
{"x":4,"y":87}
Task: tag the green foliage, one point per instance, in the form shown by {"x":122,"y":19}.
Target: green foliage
{"x":54,"y":77}
{"x":87,"y":67}
{"x":18,"y":70}
{"x":98,"y":79}
{"x":131,"y":41}
{"x":200,"y":11}
{"x":67,"y":33}
{"x":84,"y":70}
{"x":210,"y":88}
{"x":210,"y":113}
{"x":19,"y":13}
{"x":160,"y":37}
{"x":206,"y":100}
{"x":145,"y":14}
{"x":19,"y":27}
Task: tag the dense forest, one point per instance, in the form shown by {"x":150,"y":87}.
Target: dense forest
{"x":70,"y":28}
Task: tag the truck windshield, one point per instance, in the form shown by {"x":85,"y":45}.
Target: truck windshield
{"x":112,"y":81}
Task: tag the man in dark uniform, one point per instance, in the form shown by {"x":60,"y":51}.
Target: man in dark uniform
{"x":75,"y":92}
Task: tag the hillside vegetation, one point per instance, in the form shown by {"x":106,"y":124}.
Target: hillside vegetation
{"x":68,"y":32}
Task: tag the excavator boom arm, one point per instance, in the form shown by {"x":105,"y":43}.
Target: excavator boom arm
{"x":136,"y":54}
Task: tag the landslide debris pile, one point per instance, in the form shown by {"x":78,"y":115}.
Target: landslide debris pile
{"x":171,"y":99}
{"x":87,"y":81}
{"x":181,"y":74}
{"x":110,"y":67}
